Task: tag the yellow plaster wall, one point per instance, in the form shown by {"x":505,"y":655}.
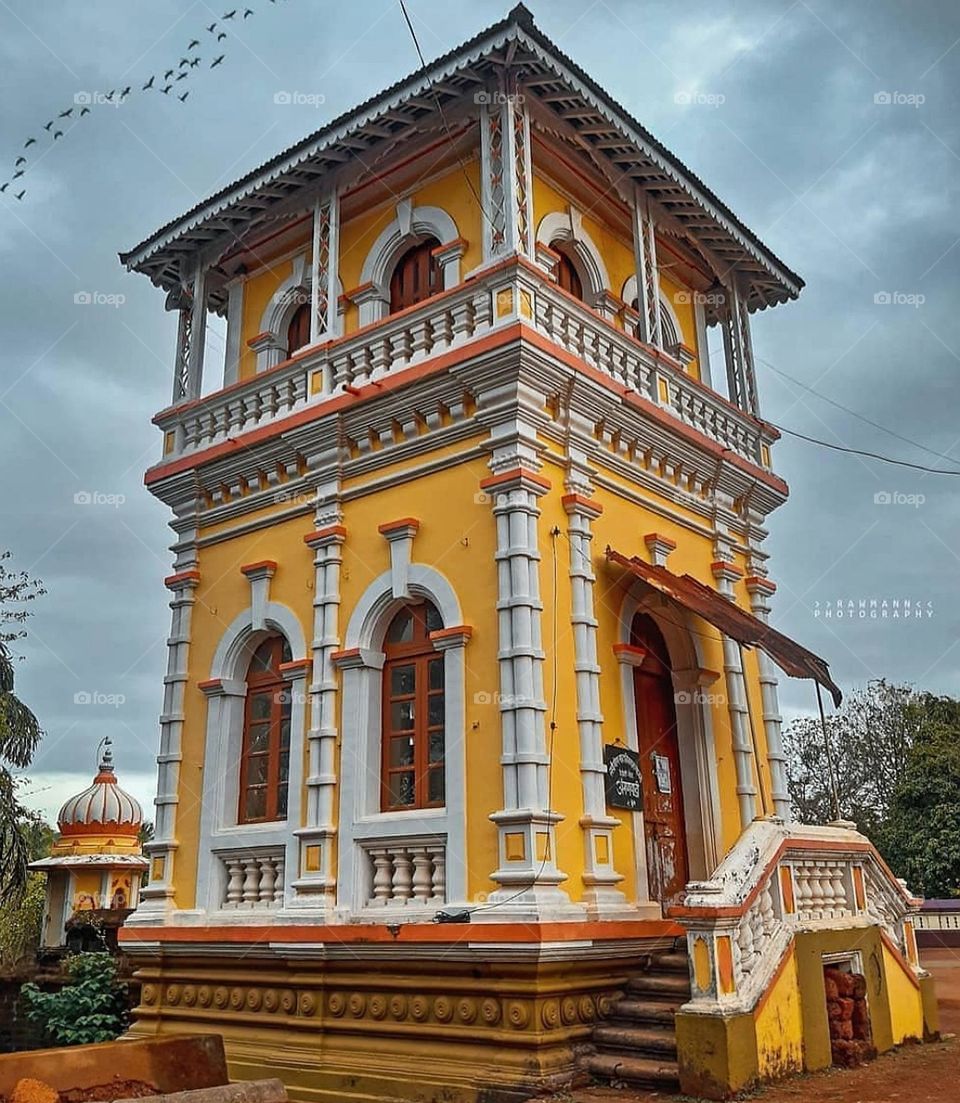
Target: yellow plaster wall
{"x":906,"y":1005}
{"x":779,"y":1025}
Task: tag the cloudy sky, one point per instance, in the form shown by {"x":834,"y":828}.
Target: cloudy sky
{"x":832,"y":130}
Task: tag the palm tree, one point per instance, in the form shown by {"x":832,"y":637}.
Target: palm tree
{"x":19,"y":735}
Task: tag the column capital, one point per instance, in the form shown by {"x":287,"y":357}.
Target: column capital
{"x":659,"y":547}
{"x":520,"y":478}
{"x":265,"y":568}
{"x":458,"y":635}
{"x":182,"y":580}
{"x":321,"y":538}
{"x":580,"y":504}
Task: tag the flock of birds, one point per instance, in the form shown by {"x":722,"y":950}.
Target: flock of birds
{"x":165,"y":83}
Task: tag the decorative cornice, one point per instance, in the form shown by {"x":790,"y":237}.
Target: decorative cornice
{"x":449,"y":250}
{"x":520,"y":476}
{"x":357,"y":658}
{"x":320,"y":538}
{"x":628,"y":654}
{"x":457,"y":636}
{"x":404,"y":528}
{"x":577,"y":503}
{"x":659,"y":547}
{"x":265,"y":568}
{"x":297,"y":668}
{"x":759,"y":585}
{"x":182,"y":580}
{"x":727,"y":571}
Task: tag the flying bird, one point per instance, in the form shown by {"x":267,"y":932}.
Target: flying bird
{"x":57,"y":134}
{"x":183,"y":61}
{"x":84,"y":111}
{"x":17,"y":174}
{"x":183,"y":98}
{"x":20,"y":161}
{"x":109,"y":96}
{"x":168,"y":74}
{"x":21,"y":194}
{"x":46,"y":126}
{"x":29,"y":142}
{"x":221,"y":36}
{"x":195,"y":42}
{"x":148,"y":85}
{"x":216,"y":61}
{"x":230,"y":14}
{"x":212,"y":26}
{"x":65,"y":114}
{"x":196,"y":61}
{"x":249,"y":11}
{"x":125,"y":92}
{"x":3,"y":187}
{"x":182,"y":76}
{"x":165,"y":90}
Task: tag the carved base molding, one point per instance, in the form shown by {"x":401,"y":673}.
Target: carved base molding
{"x":393,"y":1029}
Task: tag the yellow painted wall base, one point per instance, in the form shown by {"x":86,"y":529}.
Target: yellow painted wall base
{"x":378,"y":1028}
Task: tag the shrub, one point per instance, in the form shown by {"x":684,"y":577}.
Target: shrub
{"x":91,"y":1007}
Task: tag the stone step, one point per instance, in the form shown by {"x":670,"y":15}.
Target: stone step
{"x":660,"y":985}
{"x":635,"y":1070}
{"x":640,"y":1041}
{"x":676,"y":961}
{"x":644,"y":1011}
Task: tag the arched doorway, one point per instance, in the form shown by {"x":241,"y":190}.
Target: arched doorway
{"x":663,"y":820}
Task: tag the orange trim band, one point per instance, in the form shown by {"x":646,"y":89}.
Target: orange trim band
{"x":512,"y":477}
{"x":400,"y":523}
{"x":183,"y":578}
{"x":262,"y":565}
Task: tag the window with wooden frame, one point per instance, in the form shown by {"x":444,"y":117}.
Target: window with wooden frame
{"x":416,"y":276}
{"x":413,"y":712}
{"x":298,"y":331}
{"x":265,"y":754}
{"x":567,"y":276}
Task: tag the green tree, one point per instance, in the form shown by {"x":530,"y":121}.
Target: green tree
{"x":19,"y":730}
{"x":921,"y":839}
{"x":92,"y":1007}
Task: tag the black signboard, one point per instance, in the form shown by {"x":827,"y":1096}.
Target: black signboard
{"x":623,"y":784}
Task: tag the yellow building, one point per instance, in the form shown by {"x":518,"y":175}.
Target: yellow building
{"x":95,"y":866}
{"x":469,"y":674}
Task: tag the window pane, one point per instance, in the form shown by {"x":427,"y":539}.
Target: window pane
{"x":285,"y":698}
{"x":262,"y":657}
{"x":259,"y":738}
{"x":284,"y":734}
{"x":436,"y":746}
{"x":435,"y":667}
{"x":435,"y":710}
{"x":401,"y":715}
{"x":401,"y":752}
{"x":433,"y":619}
{"x":286,"y":655}
{"x":403,"y":679}
{"x":260,"y":706}
{"x":401,"y":788}
{"x":435,"y":794}
{"x":282,"y":802}
{"x":284,"y":767}
{"x":401,"y":627}
{"x":255,"y":804}
{"x":257,"y":770}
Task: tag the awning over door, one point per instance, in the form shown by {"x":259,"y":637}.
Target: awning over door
{"x":732,"y":621}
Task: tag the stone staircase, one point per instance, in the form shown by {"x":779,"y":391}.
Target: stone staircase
{"x":636,"y":1044}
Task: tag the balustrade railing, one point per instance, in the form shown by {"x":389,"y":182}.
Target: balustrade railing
{"x":254,"y":878}
{"x":776,"y":881}
{"x":406,"y":873}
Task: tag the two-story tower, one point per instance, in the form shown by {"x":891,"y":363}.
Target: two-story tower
{"x":469,"y":605}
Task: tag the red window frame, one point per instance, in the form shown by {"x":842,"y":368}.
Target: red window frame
{"x":265,"y":752}
{"x":416,"y":276}
{"x":298,"y":331}
{"x":413,"y":719}
{"x":568,"y":278}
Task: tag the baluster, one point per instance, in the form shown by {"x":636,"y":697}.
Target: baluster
{"x":278,"y":887}
{"x":422,"y":875}
{"x":234,"y":892}
{"x":251,"y":882}
{"x":268,"y":878}
{"x":382,"y":876}
{"x":402,"y":876}
{"x":439,"y":856}
{"x":843,"y":903}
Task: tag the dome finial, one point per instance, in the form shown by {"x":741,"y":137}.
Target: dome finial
{"x":105,"y":755}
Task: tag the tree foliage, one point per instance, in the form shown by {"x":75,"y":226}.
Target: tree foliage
{"x":19,"y":730}
{"x":91,"y":1007}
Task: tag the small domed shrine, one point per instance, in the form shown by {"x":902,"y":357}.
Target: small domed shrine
{"x":95,"y":867}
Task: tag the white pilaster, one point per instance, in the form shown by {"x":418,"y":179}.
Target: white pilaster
{"x":323,"y":267}
{"x":399,"y":534}
{"x":726,"y":575}
{"x":231,"y":359}
{"x":600,"y":875}
{"x":506,"y":176}
{"x":738,"y":349}
{"x":648,"y":274}
{"x":760,"y":590}
{"x":315,"y":885}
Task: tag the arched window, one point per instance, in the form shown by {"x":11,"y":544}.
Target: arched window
{"x":413,"y":712}
{"x":265,"y":753}
{"x":298,"y":331}
{"x":416,"y":276}
{"x":567,"y":276}
{"x":669,"y":338}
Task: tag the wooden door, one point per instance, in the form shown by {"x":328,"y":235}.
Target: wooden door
{"x":666,"y":840}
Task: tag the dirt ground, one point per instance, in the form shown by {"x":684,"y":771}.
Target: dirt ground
{"x":911,"y":1074}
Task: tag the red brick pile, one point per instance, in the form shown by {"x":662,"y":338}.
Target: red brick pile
{"x":851,"y":1039}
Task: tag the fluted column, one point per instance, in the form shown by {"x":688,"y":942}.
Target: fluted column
{"x":157,"y":897}
{"x":726,"y":575}
{"x":527,"y":873}
{"x":600,"y":876}
{"x":760,"y":590}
